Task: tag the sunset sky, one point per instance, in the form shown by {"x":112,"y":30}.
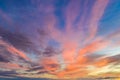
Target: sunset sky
{"x":59,"y":39}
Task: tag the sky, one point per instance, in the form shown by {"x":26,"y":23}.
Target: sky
{"x":59,"y":39}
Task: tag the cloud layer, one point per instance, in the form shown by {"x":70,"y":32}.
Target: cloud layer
{"x":57,"y":39}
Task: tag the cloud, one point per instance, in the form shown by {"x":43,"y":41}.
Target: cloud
{"x":16,"y":39}
{"x":8,"y":73}
{"x":49,"y":51}
{"x":2,"y":59}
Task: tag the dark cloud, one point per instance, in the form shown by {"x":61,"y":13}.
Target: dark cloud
{"x":42,"y":32}
{"x":4,"y":55}
{"x":108,"y":78}
{"x":49,"y":51}
{"x":53,"y":65}
{"x":25,"y":42}
{"x":23,"y":78}
{"x":20,"y":41}
{"x":42,"y":72}
{"x":2,"y":59}
{"x":36,"y":68}
{"x":8,"y":73}
{"x":115,"y":58}
{"x":39,"y":69}
{"x":93,"y":57}
{"x":16,"y":39}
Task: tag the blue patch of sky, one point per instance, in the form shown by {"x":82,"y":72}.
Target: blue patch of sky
{"x":60,"y":6}
{"x":110,"y":21}
{"x":9,"y":4}
{"x":12,"y":8}
{"x":53,"y":43}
